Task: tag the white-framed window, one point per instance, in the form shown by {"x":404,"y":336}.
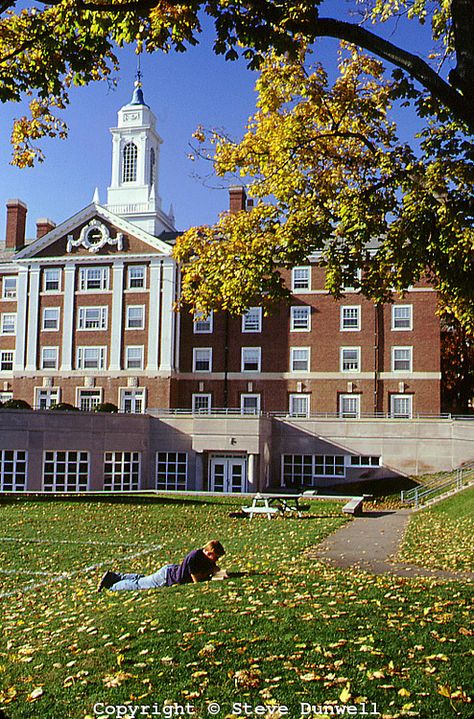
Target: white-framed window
{"x":121,"y":471}
{"x":299,"y":405}
{"x":9,"y":287}
{"x":402,"y":359}
{"x":303,"y":469}
{"x":46,"y":397}
{"x":252,"y":320}
{"x":91,"y":357}
{"x":402,"y":317}
{"x":349,"y":406}
{"x":300,"y":318}
{"x":50,"y":319}
{"x":401,"y":406}
{"x":52,"y":279}
{"x":350,"y":359}
{"x":13,"y":469}
{"x":92,"y":318}
{"x":129,"y":162}
{"x":250,"y":403}
{"x":49,"y":357}
{"x":251,"y":359}
{"x":201,"y":403}
{"x":88,"y":399}
{"x":202,"y":359}
{"x":134,"y":357}
{"x":93,"y":279}
{"x":136,"y":275}
{"x":6,"y":360}
{"x":364,"y":461}
{"x":8,"y":323}
{"x":132,"y":401}
{"x":301,"y":279}
{"x":171,"y":470}
{"x":202,"y":325}
{"x":352,"y":280}
{"x":300,"y":359}
{"x":135,"y":317}
{"x":350,"y":318}
{"x":65,"y":471}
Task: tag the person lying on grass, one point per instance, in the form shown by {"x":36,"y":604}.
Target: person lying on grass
{"x":197,"y":566}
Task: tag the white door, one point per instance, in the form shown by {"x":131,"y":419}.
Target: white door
{"x":228,"y":474}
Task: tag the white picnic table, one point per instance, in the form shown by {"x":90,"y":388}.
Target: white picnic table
{"x":263,"y":504}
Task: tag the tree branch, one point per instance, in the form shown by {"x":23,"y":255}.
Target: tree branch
{"x":414,"y":65}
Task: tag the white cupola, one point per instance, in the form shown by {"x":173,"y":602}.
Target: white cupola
{"x":133,"y":192}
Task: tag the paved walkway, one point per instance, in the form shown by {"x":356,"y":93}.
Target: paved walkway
{"x":371,"y":542}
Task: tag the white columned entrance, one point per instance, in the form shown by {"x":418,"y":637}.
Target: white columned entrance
{"x":22,"y":309}
{"x":168,"y":316}
{"x":117,"y":310}
{"x":154,"y":315}
{"x":68,"y":317}
{"x":33,"y":309}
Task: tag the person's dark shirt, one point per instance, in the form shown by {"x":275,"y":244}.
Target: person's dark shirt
{"x":195,"y":563}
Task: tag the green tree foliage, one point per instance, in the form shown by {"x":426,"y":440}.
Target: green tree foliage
{"x":329,"y":175}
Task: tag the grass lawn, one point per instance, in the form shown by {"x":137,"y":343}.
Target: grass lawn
{"x":442,"y":536}
{"x":286,"y":631}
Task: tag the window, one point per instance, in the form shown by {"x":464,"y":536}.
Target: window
{"x":65,"y":471}
{"x":46,"y":398}
{"x":250,"y":403}
{"x":5,"y":396}
{"x":350,"y":318}
{"x":349,"y":406}
{"x":9,"y":288}
{"x":202,"y":359}
{"x":52,"y":280}
{"x":6,"y":360}
{"x":401,"y":406}
{"x":49,"y":358}
{"x":351,"y":279}
{"x":171,"y":470}
{"x":250,"y":361}
{"x":300,"y":318}
{"x":136,"y":277}
{"x":121,"y":471}
{"x":92,"y":318}
{"x":402,"y":317}
{"x":92,"y":279}
{"x":152,"y":166}
{"x":402,"y":359}
{"x":362,"y":461}
{"x":91,"y":357}
{"x":202,"y":325}
{"x":350,"y":359}
{"x":299,"y":359}
{"x":299,"y":405}
{"x":8,"y":326}
{"x":51,"y":319}
{"x":134,"y":357}
{"x":132,"y":401}
{"x":303,"y":469}
{"x":301,"y":279}
{"x":252,"y":320}
{"x":129,"y":162}
{"x":201,"y":403}
{"x":88,"y":399}
{"x":13,"y":464}
{"x":135,"y":317}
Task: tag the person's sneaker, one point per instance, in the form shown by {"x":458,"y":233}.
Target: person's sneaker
{"x":106,"y":581}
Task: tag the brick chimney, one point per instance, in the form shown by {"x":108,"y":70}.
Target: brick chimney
{"x":43,"y":226}
{"x":16,"y":224}
{"x":237,"y":199}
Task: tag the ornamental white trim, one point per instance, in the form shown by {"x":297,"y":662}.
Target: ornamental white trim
{"x":93,"y":237}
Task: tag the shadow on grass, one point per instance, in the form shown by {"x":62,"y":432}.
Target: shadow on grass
{"x":90,"y":498}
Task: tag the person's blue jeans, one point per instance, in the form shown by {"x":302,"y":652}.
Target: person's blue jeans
{"x":140,"y":581}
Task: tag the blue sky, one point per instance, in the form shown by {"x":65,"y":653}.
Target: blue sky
{"x":184,"y":91}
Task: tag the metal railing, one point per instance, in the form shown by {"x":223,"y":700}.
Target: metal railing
{"x":460,"y":478}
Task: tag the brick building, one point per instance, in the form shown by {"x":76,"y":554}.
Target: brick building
{"x":86,"y":317}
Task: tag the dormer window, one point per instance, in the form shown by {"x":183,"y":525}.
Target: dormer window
{"x":129,"y":166}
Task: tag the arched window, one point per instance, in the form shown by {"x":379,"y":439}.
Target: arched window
{"x":129,"y":162}
{"x":152,"y":166}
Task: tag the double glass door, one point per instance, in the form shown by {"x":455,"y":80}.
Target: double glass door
{"x":227,"y":473}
